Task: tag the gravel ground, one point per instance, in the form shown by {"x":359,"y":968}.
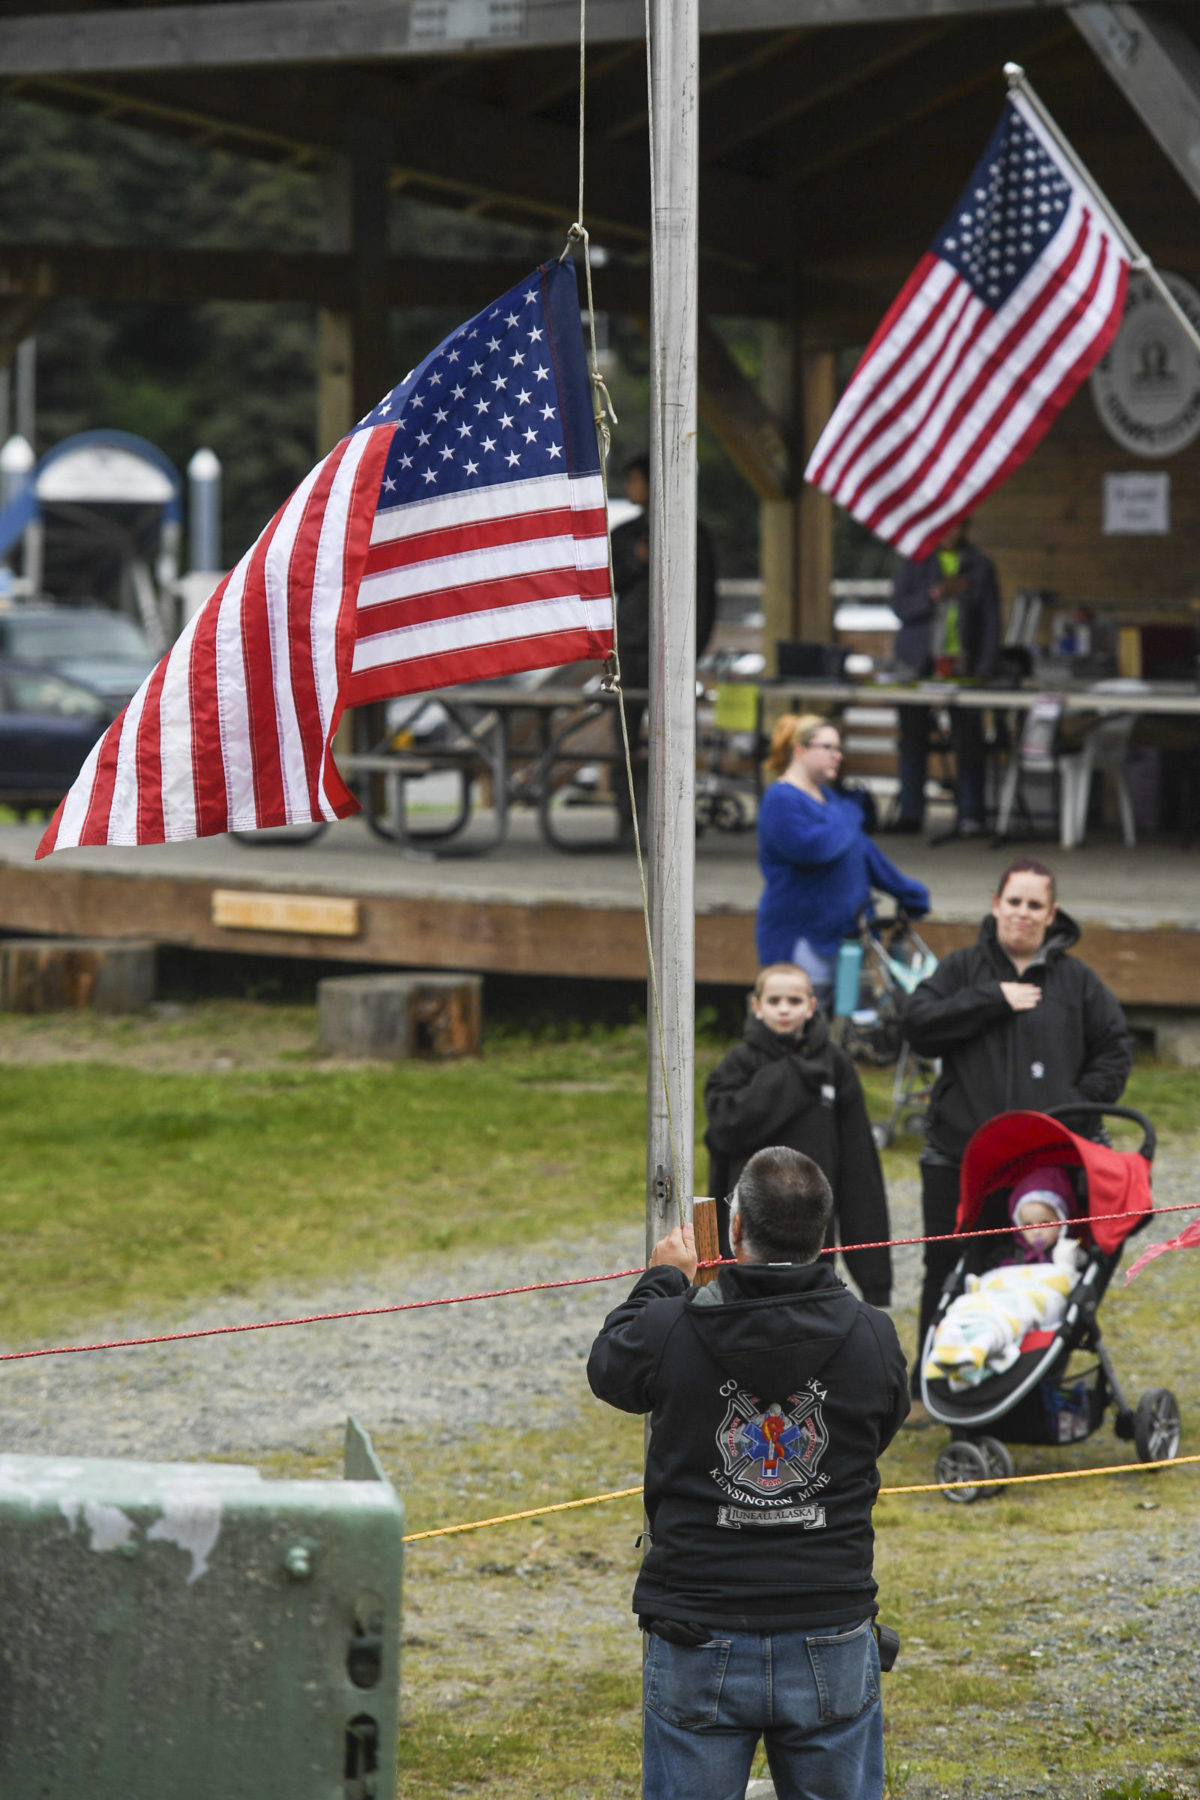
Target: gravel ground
{"x":291,"y":1389}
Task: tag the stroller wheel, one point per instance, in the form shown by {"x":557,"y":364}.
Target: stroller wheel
{"x":1156,"y":1429}
{"x":999,"y":1460}
{"x":960,"y":1461}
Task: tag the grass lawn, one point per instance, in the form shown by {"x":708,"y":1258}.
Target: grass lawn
{"x":131,"y":1185}
{"x":169,"y":1160}
{"x":132,"y":1189}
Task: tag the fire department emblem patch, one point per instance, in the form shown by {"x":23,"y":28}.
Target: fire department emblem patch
{"x":769,"y":1449}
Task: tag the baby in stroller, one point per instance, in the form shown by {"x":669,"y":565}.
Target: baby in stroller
{"x":1041,"y":1207}
{"x":980,"y":1333}
{"x":1097,"y":1197}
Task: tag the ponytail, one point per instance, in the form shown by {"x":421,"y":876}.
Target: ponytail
{"x":790,"y":730}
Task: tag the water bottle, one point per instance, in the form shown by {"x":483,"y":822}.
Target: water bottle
{"x":847,"y":979}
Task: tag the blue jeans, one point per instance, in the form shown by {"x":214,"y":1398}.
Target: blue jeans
{"x":821,"y":970}
{"x":811,"y":1695}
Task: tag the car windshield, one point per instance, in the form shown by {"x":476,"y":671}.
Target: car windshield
{"x":37,"y":691}
{"x":77,"y":636}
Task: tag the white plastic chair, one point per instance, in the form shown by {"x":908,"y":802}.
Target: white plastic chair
{"x":1105,"y":752}
{"x":1033,"y":753}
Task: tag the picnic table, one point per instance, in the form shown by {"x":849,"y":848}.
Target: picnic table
{"x":509,"y":743}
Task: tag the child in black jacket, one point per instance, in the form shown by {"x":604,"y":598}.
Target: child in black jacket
{"x":788,"y":1083}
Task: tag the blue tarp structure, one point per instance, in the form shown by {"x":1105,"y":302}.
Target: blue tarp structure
{"x":95,"y":468}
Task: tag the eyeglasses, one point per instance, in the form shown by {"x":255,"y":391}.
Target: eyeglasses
{"x":835,"y":747}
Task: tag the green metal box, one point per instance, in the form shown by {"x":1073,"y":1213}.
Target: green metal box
{"x":179,"y":1631}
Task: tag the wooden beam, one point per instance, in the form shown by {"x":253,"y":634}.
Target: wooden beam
{"x":823,"y":66}
{"x":1156,"y":966}
{"x":814,"y":558}
{"x":432,"y":931}
{"x":133,"y":272}
{"x":777,"y":15}
{"x":335,"y":414}
{"x":516,"y":157}
{"x":1156,"y":65}
{"x":258,"y":33}
{"x":368,"y":149}
{"x":48,"y":272}
{"x":737,"y":416}
{"x":903,"y":93}
{"x":526,"y":164}
{"x":777,"y":518}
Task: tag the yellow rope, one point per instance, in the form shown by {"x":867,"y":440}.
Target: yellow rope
{"x":532,"y":1512}
{"x":935,"y":1487}
{"x":925,"y":1487}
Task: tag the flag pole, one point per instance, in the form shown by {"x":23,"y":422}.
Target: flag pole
{"x":1019,"y":82}
{"x":674,"y":53}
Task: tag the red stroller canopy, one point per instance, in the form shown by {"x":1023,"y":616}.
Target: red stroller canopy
{"x":1007,"y":1147}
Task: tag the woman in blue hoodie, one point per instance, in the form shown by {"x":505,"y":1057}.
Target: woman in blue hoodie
{"x":818,"y":863}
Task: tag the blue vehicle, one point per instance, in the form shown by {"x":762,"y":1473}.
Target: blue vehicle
{"x":48,"y":724}
{"x":104,"y":650}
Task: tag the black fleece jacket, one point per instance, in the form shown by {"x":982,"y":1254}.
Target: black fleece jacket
{"x":803,"y":1092}
{"x":1073,"y":1045}
{"x":771,"y":1395}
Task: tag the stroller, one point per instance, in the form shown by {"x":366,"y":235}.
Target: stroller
{"x":876,"y":974}
{"x":1040,"y":1400}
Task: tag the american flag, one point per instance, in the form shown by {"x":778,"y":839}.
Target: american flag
{"x":992,"y":333}
{"x":458,"y":532}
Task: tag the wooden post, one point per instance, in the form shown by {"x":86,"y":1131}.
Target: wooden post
{"x":708,"y":1241}
{"x":353,"y":367}
{"x":814,"y":522}
{"x":39,"y":975}
{"x":335,"y":351}
{"x":396,"y":1016}
{"x":671,"y":826}
{"x":777,"y":518}
{"x":370,"y":143}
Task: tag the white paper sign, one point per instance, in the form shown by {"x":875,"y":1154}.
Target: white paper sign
{"x":1137,"y":505}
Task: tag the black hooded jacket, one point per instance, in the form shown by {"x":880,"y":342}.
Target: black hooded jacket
{"x":772,"y":1394}
{"x":1073,"y":1045}
{"x":803,"y":1092}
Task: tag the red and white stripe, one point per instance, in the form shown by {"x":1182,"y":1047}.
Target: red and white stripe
{"x":233,"y":729}
{"x":335,"y":605}
{"x":512,"y":576}
{"x":950,"y":396}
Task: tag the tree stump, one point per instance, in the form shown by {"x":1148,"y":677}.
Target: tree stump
{"x":104,"y":975}
{"x":398,"y":1016}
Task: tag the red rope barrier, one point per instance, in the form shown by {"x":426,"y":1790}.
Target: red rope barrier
{"x":532,"y":1287}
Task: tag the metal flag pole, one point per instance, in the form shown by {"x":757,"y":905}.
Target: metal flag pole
{"x":1019,"y":82}
{"x":674,"y":52}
